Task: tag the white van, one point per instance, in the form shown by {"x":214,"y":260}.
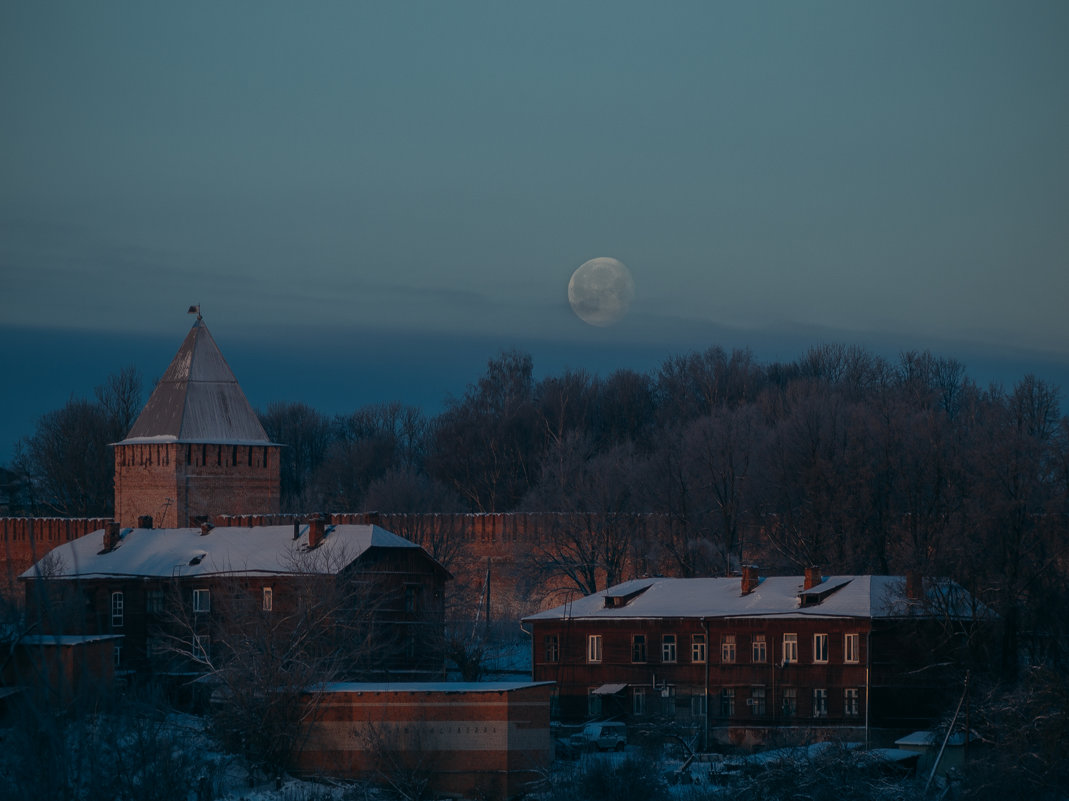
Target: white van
{"x":602,"y":736}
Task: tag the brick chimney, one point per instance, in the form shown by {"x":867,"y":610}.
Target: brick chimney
{"x":205,"y":527}
{"x":316,"y":526}
{"x":914,"y":586}
{"x":812,"y":578}
{"x":111,"y":536}
{"x":749,"y":579}
{"x":144,"y":521}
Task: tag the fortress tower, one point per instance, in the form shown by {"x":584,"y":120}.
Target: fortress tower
{"x":197,"y":447}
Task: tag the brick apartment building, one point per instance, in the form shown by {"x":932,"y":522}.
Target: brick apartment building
{"x":179,"y":596}
{"x":742,"y":657}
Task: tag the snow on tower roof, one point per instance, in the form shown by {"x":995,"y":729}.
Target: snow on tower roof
{"x":198,"y":400}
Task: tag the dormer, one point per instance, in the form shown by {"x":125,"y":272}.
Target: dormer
{"x":620,"y":599}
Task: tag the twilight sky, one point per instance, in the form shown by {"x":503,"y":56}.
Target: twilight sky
{"x":370,"y":199}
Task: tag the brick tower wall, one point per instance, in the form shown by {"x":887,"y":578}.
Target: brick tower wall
{"x":176,"y":482}
{"x":24,"y":540}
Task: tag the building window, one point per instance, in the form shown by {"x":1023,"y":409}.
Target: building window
{"x":668,"y":702}
{"x":790,"y":702}
{"x":698,"y":705}
{"x":552,"y":645}
{"x":727,"y":648}
{"x":202,"y":647}
{"x":851,"y":706}
{"x":202,"y":601}
{"x":852,"y":648}
{"x":638,"y":700}
{"x":412,"y":593}
{"x":154,"y":602}
{"x":760,"y":648}
{"x":668,"y":648}
{"x":269,"y":599}
{"x":638,"y":648}
{"x":820,"y":703}
{"x":593,"y":648}
{"x":697,"y":648}
{"x":727,"y":702}
{"x":593,"y":703}
{"x":117,"y":610}
{"x":790,"y":648}
{"x":820,"y":647}
{"x":757,"y":701}
{"x":116,"y":655}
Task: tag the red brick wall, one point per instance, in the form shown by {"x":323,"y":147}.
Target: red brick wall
{"x":482,"y":744}
{"x":25,"y":540}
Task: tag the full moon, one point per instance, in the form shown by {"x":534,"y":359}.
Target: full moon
{"x":601,"y":291}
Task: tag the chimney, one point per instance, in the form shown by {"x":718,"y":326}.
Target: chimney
{"x":296,"y":528}
{"x":111,"y":536}
{"x":749,"y":579}
{"x":812,"y":578}
{"x":316,"y":525}
{"x":914,"y":586}
{"x":205,"y":527}
{"x":144,"y":521}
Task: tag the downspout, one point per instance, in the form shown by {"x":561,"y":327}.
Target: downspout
{"x":708,"y":654}
{"x":868,"y":682}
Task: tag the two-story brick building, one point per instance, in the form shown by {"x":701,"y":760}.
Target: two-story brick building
{"x":739,"y":657}
{"x":183,"y":598}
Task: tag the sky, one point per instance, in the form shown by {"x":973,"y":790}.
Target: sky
{"x":369,"y":200}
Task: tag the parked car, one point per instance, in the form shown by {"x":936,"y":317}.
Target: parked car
{"x":601,"y":736}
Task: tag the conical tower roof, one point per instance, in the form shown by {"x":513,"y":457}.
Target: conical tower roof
{"x":198,"y":400}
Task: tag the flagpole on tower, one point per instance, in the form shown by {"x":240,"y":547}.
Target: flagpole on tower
{"x":195,"y":310}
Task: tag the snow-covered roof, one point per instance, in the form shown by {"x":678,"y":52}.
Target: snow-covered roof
{"x":259,"y":550}
{"x":428,"y":686}
{"x":66,"y":639}
{"x":198,"y":400}
{"x":861,"y":596}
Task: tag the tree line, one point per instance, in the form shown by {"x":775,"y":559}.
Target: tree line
{"x":840,"y":458}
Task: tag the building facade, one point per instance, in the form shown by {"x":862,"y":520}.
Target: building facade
{"x":740,"y":658}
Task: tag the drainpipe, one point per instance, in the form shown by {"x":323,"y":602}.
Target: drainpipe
{"x":868,"y":680}
{"x":708,"y":655}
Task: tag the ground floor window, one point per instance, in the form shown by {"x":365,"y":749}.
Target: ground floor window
{"x":727,"y":702}
{"x":668,"y":702}
{"x":757,"y":701}
{"x":851,"y":704}
{"x":698,"y":705}
{"x":820,"y":703}
{"x":593,"y":703}
{"x":790,"y":702}
{"x":638,"y":700}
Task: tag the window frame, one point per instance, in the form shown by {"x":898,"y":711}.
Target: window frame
{"x":669,"y":649}
{"x":202,"y":601}
{"x":551,"y":647}
{"x":729,"y":650}
{"x":699,"y":649}
{"x":852,"y":648}
{"x":267,"y":603}
{"x":639,"y":649}
{"x":790,"y":702}
{"x":638,"y":701}
{"x":594,"y":649}
{"x":727,"y":702}
{"x":118,"y":609}
{"x":202,"y":648}
{"x":820,"y":649}
{"x":790,"y":648}
{"x":759,"y":649}
{"x":851,"y":702}
{"x":759,"y":701}
{"x":820,"y":702}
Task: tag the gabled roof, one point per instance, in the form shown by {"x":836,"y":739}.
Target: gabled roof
{"x":861,"y":596}
{"x":198,"y":400}
{"x":179,"y":552}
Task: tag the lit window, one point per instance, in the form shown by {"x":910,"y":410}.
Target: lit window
{"x":727,"y":648}
{"x":820,"y":703}
{"x":202,"y":601}
{"x":552,"y":644}
{"x":638,"y":700}
{"x":820,"y":647}
{"x":757,"y":701}
{"x":760,"y":648}
{"x":269,"y":599}
{"x":852,"y":648}
{"x":790,"y":648}
{"x":697,"y":649}
{"x":117,"y":615}
{"x":638,"y":648}
{"x":668,"y":648}
{"x":851,"y":705}
{"x":790,"y":702}
{"x":593,"y":648}
{"x":727,"y":702}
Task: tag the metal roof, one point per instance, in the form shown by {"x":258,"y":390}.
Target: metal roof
{"x":198,"y":400}
{"x":225,"y":550}
{"x":857,"y":596}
